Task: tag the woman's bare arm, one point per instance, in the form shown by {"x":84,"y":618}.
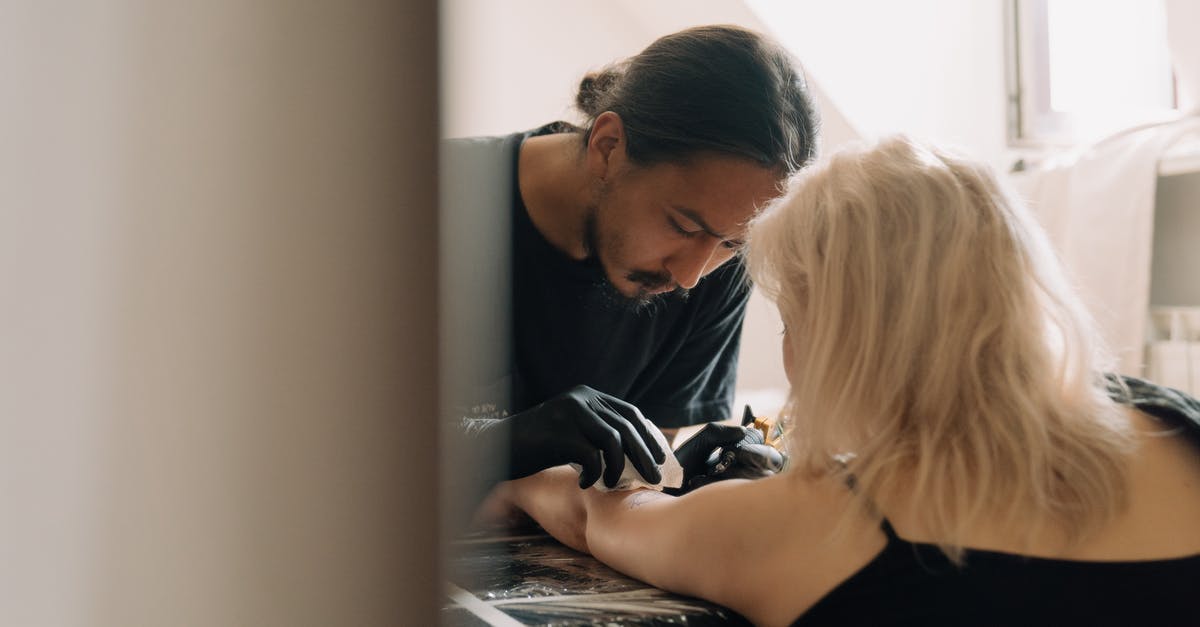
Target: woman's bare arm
{"x":731,"y":542}
{"x":552,"y":497}
{"x":694,"y":545}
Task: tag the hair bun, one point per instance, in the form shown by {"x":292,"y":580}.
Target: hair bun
{"x":594,"y":90}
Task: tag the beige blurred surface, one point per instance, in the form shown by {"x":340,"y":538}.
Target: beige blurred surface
{"x":217,"y":233}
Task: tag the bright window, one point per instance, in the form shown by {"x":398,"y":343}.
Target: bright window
{"x":1081,"y":69}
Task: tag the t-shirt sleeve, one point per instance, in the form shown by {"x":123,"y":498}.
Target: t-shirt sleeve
{"x":697,"y":383}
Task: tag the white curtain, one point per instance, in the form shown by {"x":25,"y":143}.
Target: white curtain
{"x":1097,"y":205}
{"x":1097,"y":202}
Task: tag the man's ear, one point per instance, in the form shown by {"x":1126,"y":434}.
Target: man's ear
{"x":606,"y":145}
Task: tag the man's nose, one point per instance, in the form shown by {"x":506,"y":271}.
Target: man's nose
{"x":691,"y":263}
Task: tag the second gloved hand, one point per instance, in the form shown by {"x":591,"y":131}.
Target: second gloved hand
{"x":722,"y":451}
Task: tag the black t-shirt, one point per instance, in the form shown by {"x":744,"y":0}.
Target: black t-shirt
{"x":675,"y":360}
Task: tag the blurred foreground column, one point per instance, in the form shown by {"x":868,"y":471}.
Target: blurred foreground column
{"x":218,"y":242}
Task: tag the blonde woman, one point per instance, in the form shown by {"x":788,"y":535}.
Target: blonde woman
{"x":955,"y":458}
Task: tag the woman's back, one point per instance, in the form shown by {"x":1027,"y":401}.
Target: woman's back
{"x":914,"y":583}
{"x":931,"y":333}
{"x":1142,"y":566}
{"x":1162,"y":520}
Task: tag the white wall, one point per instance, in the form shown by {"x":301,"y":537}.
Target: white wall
{"x":934,"y":68}
{"x":516,"y":65}
{"x":931,"y":68}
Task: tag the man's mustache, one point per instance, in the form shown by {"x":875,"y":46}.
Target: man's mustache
{"x":650,"y":280}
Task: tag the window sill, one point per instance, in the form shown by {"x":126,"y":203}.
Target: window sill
{"x":1183,"y":158}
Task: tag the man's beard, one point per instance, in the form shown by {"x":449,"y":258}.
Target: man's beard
{"x":645,"y":299}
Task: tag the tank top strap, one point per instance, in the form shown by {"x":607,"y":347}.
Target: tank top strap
{"x":886,"y":526}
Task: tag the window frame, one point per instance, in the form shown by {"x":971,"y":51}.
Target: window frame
{"x":1031,"y":122}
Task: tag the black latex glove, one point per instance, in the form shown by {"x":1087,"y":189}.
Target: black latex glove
{"x":584,"y":426}
{"x":721,"y":451}
{"x":699,"y":453}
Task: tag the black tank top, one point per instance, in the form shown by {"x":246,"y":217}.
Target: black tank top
{"x":913,"y":583}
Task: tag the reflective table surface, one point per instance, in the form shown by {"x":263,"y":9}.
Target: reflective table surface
{"x":525,"y":577}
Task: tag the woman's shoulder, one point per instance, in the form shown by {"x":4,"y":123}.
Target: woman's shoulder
{"x":1161,"y":519}
{"x":798,"y":532}
{"x":1163,"y":516}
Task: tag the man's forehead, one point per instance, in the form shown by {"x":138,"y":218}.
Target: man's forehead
{"x":730,"y":181}
{"x":727,"y":213}
{"x":721,"y":192}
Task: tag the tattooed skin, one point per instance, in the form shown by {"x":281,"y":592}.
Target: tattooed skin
{"x":643,"y":497}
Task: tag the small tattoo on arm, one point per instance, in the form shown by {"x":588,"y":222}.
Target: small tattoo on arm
{"x":643,"y":497}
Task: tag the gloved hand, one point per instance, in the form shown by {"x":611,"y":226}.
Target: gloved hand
{"x":583,"y":426}
{"x":721,"y":451}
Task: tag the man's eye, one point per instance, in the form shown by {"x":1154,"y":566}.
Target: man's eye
{"x":679,"y":229}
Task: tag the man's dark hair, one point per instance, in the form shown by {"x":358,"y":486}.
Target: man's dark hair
{"x":721,"y":89}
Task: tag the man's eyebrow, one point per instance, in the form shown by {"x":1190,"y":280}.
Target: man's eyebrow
{"x":694,"y":216}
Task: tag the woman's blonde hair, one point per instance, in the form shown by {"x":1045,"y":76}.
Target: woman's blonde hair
{"x":936,"y":339}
